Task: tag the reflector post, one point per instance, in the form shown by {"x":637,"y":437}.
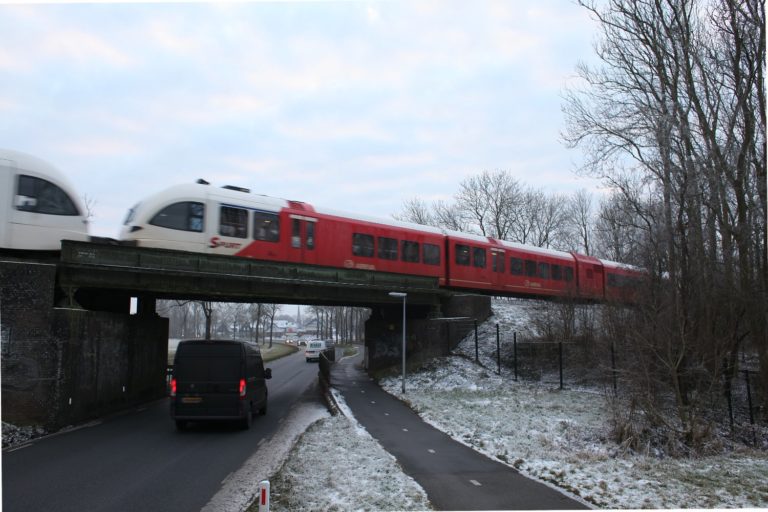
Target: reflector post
{"x":264,"y":496}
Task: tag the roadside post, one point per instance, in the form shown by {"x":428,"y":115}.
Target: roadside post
{"x":264,"y":496}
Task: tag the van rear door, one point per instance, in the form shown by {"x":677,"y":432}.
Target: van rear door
{"x":208,"y":380}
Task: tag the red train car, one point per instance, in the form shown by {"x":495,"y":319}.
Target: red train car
{"x":232,"y":221}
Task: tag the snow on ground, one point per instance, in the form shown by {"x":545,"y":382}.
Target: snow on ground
{"x":337,"y":465}
{"x":558,"y":437}
{"x":562,"y":437}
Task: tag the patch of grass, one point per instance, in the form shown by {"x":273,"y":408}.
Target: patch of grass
{"x":277,"y":351}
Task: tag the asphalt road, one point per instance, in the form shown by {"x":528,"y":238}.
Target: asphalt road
{"x":454,"y":476}
{"x":138,"y":461}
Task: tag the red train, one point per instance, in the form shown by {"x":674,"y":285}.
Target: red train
{"x":231,"y":220}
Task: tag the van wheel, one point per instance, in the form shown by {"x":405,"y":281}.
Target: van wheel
{"x":263,"y":409}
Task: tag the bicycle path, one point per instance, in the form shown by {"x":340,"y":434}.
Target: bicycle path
{"x":454,"y":476}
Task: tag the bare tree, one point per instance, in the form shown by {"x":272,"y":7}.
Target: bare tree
{"x":417,"y":211}
{"x":674,"y":120}
{"x":580,"y":216}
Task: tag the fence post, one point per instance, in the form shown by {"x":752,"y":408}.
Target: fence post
{"x":727,"y":374}
{"x":751,"y":413}
{"x":561,"y":363}
{"x":613,"y":365}
{"x":498,"y":349}
{"x":264,"y":496}
{"x":515,"y":345}
{"x":477,"y":354}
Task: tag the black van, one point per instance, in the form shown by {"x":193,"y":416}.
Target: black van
{"x":218,"y":380}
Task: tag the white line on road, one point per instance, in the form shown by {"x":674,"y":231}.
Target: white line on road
{"x":431,"y":450}
{"x":19,"y":448}
{"x":475,"y":483}
{"x":405,"y":430}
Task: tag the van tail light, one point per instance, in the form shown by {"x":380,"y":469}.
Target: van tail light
{"x":173,"y":387}
{"x":242,"y":388}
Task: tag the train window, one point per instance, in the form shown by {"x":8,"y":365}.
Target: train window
{"x":410,"y":251}
{"x":41,"y":196}
{"x":478,"y":257}
{"x":431,"y":254}
{"x":362,"y":245}
{"x":516,"y":266}
{"x":498,"y":261}
{"x":557,"y":272}
{"x":266,"y":226}
{"x":233,"y":222}
{"x":612,"y":280}
{"x":569,"y":274}
{"x":530,"y":268}
{"x":310,"y":235}
{"x":544,"y":270}
{"x":296,"y":233}
{"x":387,"y":248}
{"x":462,"y":254}
{"x":184,"y":216}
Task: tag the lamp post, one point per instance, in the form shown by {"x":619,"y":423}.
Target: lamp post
{"x":403,"y":296}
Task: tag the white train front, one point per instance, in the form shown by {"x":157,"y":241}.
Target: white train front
{"x":39,"y":206}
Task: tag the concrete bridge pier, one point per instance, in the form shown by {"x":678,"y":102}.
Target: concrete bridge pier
{"x":429,"y":332}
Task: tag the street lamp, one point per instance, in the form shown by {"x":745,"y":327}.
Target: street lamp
{"x":403,"y":296}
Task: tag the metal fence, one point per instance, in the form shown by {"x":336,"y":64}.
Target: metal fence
{"x":574,"y":364}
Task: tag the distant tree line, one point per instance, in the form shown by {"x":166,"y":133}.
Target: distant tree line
{"x":673,"y":120}
{"x":256,"y":322}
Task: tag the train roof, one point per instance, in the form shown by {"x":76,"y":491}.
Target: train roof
{"x":31,"y":163}
{"x":380,"y":220}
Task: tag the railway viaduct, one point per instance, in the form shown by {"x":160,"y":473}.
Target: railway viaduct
{"x":72,"y":350}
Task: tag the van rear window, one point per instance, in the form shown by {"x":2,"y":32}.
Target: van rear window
{"x":208,"y":363}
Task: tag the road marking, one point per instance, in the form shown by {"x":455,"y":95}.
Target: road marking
{"x":475,"y":483}
{"x":405,"y":430}
{"x":431,"y":450}
{"x":362,"y":391}
{"x":226,"y":478}
{"x":373,"y":401}
{"x":19,"y":447}
{"x":263,"y":440}
{"x":386,"y":414}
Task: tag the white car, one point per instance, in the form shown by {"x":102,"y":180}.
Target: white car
{"x":314,"y":349}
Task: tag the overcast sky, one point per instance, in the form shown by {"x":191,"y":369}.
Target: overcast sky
{"x":352,"y":105}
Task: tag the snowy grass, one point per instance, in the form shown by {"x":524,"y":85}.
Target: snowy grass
{"x":559,"y":437}
{"x":562,"y":437}
{"x":337,"y":465}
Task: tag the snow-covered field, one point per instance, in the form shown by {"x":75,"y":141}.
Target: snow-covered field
{"x":560,"y":437}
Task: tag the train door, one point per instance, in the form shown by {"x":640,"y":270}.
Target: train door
{"x":303,"y":239}
{"x":229,"y":228}
{"x":498,"y":268}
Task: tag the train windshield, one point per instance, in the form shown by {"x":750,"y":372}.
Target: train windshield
{"x":37,"y":195}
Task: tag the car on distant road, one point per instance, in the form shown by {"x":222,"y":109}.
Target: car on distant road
{"x":314,"y":349}
{"x":216,"y":380}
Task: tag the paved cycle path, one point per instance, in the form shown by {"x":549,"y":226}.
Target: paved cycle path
{"x":454,"y":476}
